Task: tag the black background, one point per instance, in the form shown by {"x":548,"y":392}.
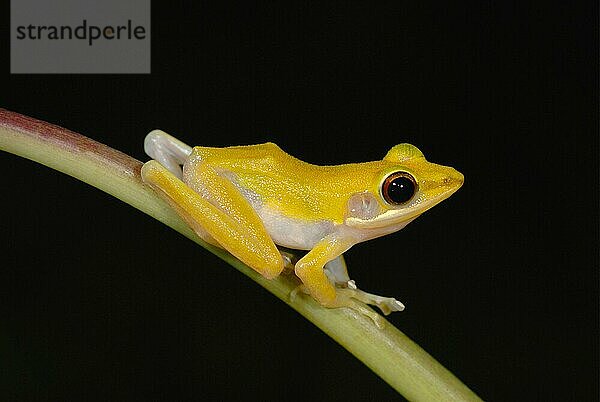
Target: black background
{"x":98,"y":300}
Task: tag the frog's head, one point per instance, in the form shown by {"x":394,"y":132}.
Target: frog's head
{"x":405,"y":187}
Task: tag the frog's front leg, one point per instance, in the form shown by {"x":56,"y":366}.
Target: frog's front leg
{"x":310,"y":269}
{"x":337,"y":273}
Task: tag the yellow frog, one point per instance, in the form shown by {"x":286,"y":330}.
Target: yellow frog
{"x":248,"y":199}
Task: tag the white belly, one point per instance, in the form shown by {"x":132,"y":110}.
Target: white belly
{"x":291,"y":232}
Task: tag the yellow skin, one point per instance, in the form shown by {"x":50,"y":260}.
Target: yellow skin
{"x":248,"y":199}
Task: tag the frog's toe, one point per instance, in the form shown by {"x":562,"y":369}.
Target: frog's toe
{"x":388,"y":305}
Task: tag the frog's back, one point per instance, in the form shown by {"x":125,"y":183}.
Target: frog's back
{"x":288,"y":184}
{"x":252,"y":159}
{"x":239,"y":152}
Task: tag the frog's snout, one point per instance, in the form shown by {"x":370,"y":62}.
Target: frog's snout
{"x":453,"y":178}
{"x":448,"y":181}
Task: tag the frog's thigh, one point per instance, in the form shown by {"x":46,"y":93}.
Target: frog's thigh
{"x":243,"y":236}
{"x":310,"y":268}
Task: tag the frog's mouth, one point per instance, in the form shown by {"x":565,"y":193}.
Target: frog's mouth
{"x":387,"y":219}
{"x":398,"y":217}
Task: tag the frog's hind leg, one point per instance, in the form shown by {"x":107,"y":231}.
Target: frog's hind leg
{"x":218,"y":211}
{"x":167,"y":150}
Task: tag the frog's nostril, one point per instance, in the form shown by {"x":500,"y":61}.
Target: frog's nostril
{"x":453,"y":178}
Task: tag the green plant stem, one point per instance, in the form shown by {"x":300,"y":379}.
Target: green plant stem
{"x":387,"y":351}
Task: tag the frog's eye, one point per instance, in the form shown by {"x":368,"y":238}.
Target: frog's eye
{"x":398,"y":188}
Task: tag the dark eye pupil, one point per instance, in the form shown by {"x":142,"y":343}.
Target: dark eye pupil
{"x":398,"y":189}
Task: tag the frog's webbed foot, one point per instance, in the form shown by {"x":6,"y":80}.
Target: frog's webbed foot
{"x":387,"y":305}
{"x":343,"y":299}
